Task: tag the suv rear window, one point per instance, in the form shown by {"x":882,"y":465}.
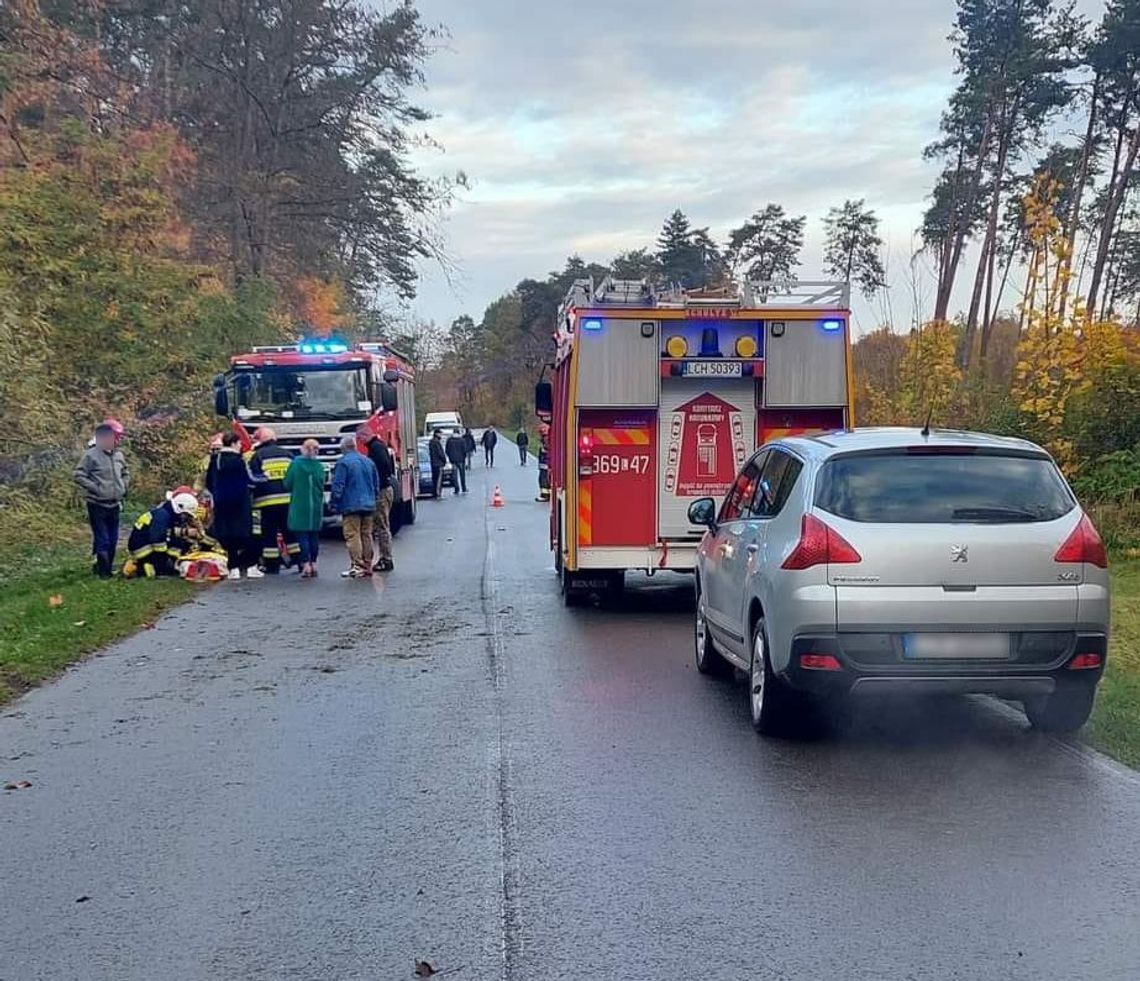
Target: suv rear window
{"x":937,"y":488}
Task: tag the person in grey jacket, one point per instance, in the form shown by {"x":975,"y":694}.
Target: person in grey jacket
{"x":103,"y":477}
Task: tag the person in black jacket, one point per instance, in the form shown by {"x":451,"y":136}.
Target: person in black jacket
{"x":438,"y":458}
{"x":469,"y":445}
{"x":490,"y":438}
{"x":381,"y":455}
{"x":456,"y":450}
{"x":522,"y":440}
{"x":231,"y":486}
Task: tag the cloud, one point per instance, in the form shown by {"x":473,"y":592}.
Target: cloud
{"x":583,"y":125}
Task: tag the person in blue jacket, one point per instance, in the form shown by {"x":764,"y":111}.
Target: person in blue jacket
{"x":355,"y":487}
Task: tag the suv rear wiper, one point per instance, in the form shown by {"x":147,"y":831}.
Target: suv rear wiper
{"x":993,"y":514}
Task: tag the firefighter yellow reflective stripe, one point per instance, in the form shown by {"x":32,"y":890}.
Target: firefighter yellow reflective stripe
{"x":147,"y":550}
{"x":270,"y":553}
{"x":275,"y":467}
{"x":293,"y":549}
{"x":271,"y":500}
{"x":143,"y":521}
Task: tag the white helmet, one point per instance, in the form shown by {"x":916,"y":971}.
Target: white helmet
{"x":182,"y":501}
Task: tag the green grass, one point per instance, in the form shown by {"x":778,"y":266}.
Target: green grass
{"x":39,"y":640}
{"x":1115,"y":725}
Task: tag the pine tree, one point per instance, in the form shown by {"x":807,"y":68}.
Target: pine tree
{"x":853,"y":245}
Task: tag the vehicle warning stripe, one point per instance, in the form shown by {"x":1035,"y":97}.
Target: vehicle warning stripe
{"x":585,"y":513}
{"x":621,"y":437}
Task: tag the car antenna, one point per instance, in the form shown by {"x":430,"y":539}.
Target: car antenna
{"x":926,"y":426}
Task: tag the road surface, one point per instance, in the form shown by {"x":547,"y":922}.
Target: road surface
{"x":326,"y":780}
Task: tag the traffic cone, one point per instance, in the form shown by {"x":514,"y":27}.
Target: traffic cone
{"x":497,"y":497}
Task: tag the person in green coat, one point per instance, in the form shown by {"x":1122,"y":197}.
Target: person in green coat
{"x":305,"y":481}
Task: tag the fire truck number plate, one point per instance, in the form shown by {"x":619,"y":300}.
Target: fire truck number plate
{"x":613,"y":463}
{"x":712,"y":369}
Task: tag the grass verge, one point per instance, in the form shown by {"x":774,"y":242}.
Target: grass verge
{"x":1115,"y":725}
{"x":39,"y":639}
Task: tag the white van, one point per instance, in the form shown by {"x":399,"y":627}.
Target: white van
{"x":449,"y":422}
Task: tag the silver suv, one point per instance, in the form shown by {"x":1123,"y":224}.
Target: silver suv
{"x":903,"y":560}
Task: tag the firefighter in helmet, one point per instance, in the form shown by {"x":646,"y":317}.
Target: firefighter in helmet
{"x":543,"y":462}
{"x":163,"y":535}
{"x":268,"y":464}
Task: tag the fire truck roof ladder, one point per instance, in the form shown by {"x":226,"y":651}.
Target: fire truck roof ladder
{"x":277,"y":349}
{"x":623,"y":293}
{"x":790,"y":294}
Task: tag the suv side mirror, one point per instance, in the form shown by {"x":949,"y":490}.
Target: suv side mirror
{"x":388,"y":400}
{"x":703,"y":513}
{"x":543,"y":397}
{"x":221,"y":397}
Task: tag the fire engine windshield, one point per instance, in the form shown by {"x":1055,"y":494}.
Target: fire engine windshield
{"x":283,"y":393}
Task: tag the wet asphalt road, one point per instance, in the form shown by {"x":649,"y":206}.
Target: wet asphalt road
{"x":290,"y":780}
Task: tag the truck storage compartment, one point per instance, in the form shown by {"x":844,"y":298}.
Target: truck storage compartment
{"x":617,"y":465}
{"x":617,"y":460}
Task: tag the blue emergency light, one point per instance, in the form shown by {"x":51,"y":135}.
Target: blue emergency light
{"x":323,"y":347}
{"x":831,"y":325}
{"x":591,"y":324}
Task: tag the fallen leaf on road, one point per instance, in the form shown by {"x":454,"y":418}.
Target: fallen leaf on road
{"x":148,"y":626}
{"x":18,"y":785}
{"x":424,"y":969}
{"x":55,"y":601}
{"x":84,"y":899}
{"x":80,"y":623}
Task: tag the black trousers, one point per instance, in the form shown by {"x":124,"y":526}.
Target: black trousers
{"x":436,"y":480}
{"x":104,"y":521}
{"x":489,"y":455}
{"x":522,"y":455}
{"x":269,"y":522}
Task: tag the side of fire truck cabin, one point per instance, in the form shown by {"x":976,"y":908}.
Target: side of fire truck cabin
{"x":658,"y":399}
{"x":324,"y":390}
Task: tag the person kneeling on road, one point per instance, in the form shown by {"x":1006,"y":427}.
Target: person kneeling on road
{"x":162,"y":536}
{"x":355,"y":487}
{"x":381,"y":456}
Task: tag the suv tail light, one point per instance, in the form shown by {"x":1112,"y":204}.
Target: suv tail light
{"x":819,"y":545}
{"x":1083,"y":545}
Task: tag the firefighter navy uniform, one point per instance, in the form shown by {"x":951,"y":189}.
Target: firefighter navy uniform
{"x":271,"y":505}
{"x":158,"y":541}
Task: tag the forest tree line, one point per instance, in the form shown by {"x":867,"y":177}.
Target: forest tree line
{"x":180,"y":179}
{"x":1024,"y":284}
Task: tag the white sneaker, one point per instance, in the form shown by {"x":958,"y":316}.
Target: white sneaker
{"x":235,"y":575}
{"x":254,"y":573}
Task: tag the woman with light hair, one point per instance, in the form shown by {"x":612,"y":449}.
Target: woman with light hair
{"x":305,"y":481}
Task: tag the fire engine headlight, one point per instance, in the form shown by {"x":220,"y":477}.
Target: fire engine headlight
{"x":676,"y":346}
{"x":746,"y":347}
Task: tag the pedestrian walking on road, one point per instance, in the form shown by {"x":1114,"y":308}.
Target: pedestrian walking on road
{"x":522,"y":440}
{"x":305,"y":482}
{"x":456,"y":450}
{"x":231,"y":487}
{"x":271,"y":501}
{"x":103,"y":477}
{"x":437,"y":456}
{"x":469,"y":444}
{"x":490,"y":438}
{"x":355,"y":487}
{"x":381,"y":456}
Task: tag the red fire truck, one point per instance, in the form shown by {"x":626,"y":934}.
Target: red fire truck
{"x":322,"y":389}
{"x":659,"y":397}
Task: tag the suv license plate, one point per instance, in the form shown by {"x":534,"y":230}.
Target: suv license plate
{"x":956,"y":647}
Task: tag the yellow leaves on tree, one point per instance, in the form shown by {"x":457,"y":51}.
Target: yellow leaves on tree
{"x":321,"y":305}
{"x":928,"y":381}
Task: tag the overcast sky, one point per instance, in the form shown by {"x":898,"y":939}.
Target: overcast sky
{"x":582,"y":124}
